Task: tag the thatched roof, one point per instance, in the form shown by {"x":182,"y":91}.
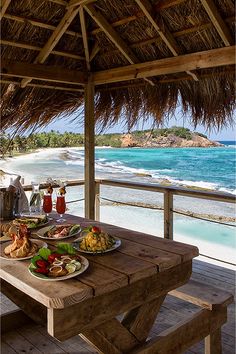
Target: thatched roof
{"x":88,"y":36}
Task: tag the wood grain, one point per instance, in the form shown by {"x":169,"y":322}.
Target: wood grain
{"x":63,"y":323}
{"x":203,"y":295}
{"x":140,"y":320}
{"x":162,"y":259}
{"x":89,"y":150}
{"x":183,"y":335}
{"x":55,"y":295}
{"x":132,"y":267}
{"x":200,"y":60}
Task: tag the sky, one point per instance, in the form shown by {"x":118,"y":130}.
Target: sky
{"x":65,"y":124}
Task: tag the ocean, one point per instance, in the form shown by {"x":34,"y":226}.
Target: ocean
{"x":212,"y":168}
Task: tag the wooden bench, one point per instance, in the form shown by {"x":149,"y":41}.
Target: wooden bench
{"x":205,"y":323}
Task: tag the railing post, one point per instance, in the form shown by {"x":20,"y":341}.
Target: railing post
{"x":97,"y":201}
{"x":168,"y":215}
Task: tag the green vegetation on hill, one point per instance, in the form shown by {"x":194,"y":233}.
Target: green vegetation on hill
{"x":53,"y":139}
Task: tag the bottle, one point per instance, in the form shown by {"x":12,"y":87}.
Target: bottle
{"x":35,"y":198}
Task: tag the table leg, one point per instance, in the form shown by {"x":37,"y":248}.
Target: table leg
{"x":114,"y":337}
{"x":213,"y":342}
{"x":140,"y":320}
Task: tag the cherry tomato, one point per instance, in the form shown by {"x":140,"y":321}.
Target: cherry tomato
{"x":41,"y":270}
{"x":41,"y":264}
{"x":96,"y":230}
{"x":51,"y":257}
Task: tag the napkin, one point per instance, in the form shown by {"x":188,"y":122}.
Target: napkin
{"x":23,"y":204}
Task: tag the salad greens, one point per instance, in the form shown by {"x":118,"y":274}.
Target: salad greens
{"x":45,"y":252}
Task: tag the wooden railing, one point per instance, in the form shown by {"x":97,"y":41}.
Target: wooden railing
{"x":168,"y":194}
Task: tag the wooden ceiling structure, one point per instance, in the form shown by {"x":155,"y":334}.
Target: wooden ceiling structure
{"x":79,"y":48}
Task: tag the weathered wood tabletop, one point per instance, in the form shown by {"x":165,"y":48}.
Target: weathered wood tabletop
{"x":134,"y":279}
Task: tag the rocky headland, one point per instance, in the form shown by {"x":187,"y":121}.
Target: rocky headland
{"x":163,"y":138}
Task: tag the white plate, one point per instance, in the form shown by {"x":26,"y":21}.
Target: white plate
{"x":84,"y":262}
{"x":39,"y":243}
{"x":117,"y":244}
{"x":31,"y":228}
{"x":40,"y":233}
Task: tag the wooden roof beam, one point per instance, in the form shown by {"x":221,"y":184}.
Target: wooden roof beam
{"x":165,"y":34}
{"x":85,"y":37}
{"x":59,"y":2}
{"x":200,"y":60}
{"x":218,"y":22}
{"x":113,"y":36}
{"x":74,"y":3}
{"x":54,"y":39}
{"x":4,"y":6}
{"x":165,"y":4}
{"x":50,"y":87}
{"x":34,"y":47}
{"x":38,"y":23}
{"x":94,"y":51}
{"x":43,"y":72}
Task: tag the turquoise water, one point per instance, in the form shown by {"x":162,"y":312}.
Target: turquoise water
{"x":204,"y":167}
{"x":212,"y":168}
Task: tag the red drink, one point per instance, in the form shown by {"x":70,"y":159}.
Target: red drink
{"x":61,"y":207}
{"x":47,"y":203}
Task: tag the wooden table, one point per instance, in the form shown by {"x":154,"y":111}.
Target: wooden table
{"x":132,"y":280}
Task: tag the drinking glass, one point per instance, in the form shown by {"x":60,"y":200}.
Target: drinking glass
{"x":61,"y":207}
{"x":35,"y":199}
{"x":47,"y":205}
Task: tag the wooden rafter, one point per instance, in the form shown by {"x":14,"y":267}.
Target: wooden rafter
{"x":85,"y":37}
{"x":180,"y":33}
{"x":74,"y":3}
{"x":54,"y":39}
{"x":161,"y":5}
{"x":94,"y":51}
{"x":165,"y":34}
{"x":136,"y":16}
{"x":217,"y":21}
{"x":200,"y":60}
{"x":113,"y":36}
{"x":4,"y":6}
{"x":43,"y":72}
{"x":50,"y":87}
{"x":115,"y":24}
{"x":60,"y":2}
{"x":38,"y":23}
{"x":34,"y":47}
{"x":165,"y":4}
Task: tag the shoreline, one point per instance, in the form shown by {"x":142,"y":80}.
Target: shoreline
{"x":216,"y":218}
{"x":163,"y":181}
{"x":212,"y":238}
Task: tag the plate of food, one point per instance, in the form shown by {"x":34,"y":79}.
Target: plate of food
{"x":6,"y":229}
{"x":95,"y":241}
{"x":62,"y":264}
{"x":58,"y":232}
{"x":21,"y":247}
{"x":31,"y":221}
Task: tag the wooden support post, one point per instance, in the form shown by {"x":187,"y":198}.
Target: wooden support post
{"x":168,"y":215}
{"x":97,"y":201}
{"x":213,"y":343}
{"x":89,"y":172}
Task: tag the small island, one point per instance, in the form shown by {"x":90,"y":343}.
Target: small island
{"x":156,"y":138}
